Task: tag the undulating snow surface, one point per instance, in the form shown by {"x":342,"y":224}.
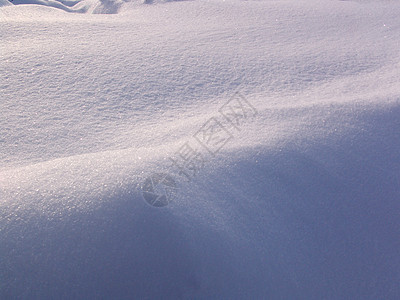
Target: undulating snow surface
{"x":301,"y":202}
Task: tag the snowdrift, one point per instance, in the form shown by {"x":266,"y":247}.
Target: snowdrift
{"x":299,"y":201}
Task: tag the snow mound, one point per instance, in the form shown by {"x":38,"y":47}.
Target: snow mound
{"x":296,"y":199}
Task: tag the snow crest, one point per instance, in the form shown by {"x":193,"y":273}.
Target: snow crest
{"x":295,"y":197}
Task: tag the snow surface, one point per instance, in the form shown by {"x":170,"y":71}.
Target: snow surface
{"x":302,"y":203}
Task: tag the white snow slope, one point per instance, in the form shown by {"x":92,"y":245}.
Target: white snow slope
{"x":303,"y":202}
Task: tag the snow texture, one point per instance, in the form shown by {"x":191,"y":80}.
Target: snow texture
{"x":303,"y":202}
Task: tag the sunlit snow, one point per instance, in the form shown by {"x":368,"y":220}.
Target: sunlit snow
{"x":102,"y":102}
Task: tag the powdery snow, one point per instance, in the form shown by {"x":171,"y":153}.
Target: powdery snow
{"x":301,"y":203}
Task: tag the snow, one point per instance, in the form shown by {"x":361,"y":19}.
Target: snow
{"x":301,"y":203}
